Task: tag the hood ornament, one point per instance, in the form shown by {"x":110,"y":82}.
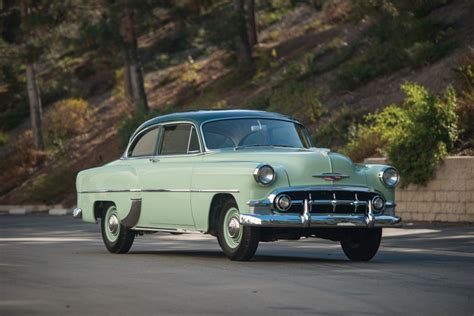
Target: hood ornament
{"x":331,"y":176}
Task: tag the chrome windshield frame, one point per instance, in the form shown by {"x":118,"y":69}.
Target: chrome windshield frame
{"x":206,"y":149}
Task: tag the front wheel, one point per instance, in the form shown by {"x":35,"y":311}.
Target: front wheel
{"x":362,"y":244}
{"x":238,"y":242}
{"x":117,"y":238}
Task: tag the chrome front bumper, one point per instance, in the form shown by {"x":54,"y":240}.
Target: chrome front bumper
{"x":265,"y":216}
{"x":320,"y":220}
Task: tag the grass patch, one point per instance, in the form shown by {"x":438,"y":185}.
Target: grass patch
{"x":51,"y":188}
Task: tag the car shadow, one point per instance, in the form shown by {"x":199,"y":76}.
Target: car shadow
{"x":263,"y":258}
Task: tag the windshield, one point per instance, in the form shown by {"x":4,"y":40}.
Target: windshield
{"x":241,"y":133}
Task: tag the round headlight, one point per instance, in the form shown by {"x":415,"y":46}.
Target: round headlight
{"x":264,"y":174}
{"x":389,"y":176}
{"x":378,"y":203}
{"x":283,"y":202}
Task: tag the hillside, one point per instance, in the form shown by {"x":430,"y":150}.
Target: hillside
{"x":305,"y":65}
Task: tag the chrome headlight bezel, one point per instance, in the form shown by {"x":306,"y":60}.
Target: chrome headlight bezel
{"x":384,"y":176}
{"x":278,"y":200}
{"x":374,"y":203}
{"x":261,"y":176}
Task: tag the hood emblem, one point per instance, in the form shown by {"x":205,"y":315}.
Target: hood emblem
{"x":330,"y":176}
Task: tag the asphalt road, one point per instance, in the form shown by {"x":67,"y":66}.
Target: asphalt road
{"x":56,"y":265}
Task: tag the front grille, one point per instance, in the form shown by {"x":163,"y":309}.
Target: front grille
{"x":331,"y":201}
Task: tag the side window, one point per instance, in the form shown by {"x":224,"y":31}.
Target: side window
{"x":146,"y":144}
{"x":193,"y":142}
{"x":175,"y":139}
{"x":179,"y":139}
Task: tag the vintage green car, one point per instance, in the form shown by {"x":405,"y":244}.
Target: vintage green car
{"x":243,"y":176}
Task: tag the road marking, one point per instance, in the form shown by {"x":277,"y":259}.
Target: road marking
{"x":428,"y":251}
{"x":452,"y":237}
{"x":18,"y":211}
{"x":46,"y":239}
{"x":392,"y":232}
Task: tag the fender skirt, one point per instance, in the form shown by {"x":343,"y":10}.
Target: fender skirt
{"x":132,"y":218}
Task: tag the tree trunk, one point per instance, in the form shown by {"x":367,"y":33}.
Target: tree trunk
{"x":35,"y":106}
{"x":253,"y":39}
{"x":127,"y":82}
{"x":138,"y":94}
{"x":31,"y":86}
{"x":244,"y":52}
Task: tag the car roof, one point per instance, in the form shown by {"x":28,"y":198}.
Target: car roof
{"x":198,"y":117}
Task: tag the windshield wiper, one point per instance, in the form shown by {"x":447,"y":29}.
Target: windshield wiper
{"x":253,"y":145}
{"x":262,"y":145}
{"x":286,"y":146}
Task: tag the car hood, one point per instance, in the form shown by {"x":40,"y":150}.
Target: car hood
{"x":304,"y":167}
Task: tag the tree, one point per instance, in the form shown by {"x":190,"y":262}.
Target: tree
{"x":28,"y":29}
{"x":252,"y":27}
{"x":133,"y":76}
{"x":244,"y":52}
{"x":111,"y":25}
{"x":31,"y":55}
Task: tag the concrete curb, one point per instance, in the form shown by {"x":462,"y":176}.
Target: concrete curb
{"x":54,"y":210}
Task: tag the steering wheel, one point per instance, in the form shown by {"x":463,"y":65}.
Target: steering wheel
{"x":244,"y":139}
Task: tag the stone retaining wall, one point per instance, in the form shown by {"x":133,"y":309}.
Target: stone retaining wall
{"x":449,"y":197}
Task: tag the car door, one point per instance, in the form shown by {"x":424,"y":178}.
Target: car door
{"x":166,"y":178}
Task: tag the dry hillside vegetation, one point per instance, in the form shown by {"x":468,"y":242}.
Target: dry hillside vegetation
{"x":303,"y":67}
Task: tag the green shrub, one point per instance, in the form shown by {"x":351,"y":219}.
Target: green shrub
{"x":65,"y":119}
{"x":369,"y":138}
{"x":415,"y":136}
{"x":465,"y":108}
{"x":335,"y":131}
{"x":3,"y":138}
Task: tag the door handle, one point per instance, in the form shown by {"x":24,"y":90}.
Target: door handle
{"x":154,"y":159}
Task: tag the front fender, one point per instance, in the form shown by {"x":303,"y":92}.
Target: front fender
{"x":234,"y":178}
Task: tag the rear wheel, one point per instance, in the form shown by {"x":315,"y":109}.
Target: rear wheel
{"x":362,"y":244}
{"x":117,"y":238}
{"x":238,"y":242}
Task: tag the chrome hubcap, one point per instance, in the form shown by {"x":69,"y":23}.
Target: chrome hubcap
{"x":113,"y":224}
{"x":234,"y":227}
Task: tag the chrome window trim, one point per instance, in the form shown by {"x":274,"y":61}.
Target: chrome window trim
{"x":126,"y":157}
{"x":130,"y":142}
{"x":250,"y":118}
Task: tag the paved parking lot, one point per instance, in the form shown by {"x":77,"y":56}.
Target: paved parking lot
{"x":56,"y":265}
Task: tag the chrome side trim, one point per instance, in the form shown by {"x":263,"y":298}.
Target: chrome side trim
{"x":166,"y":190}
{"x":168,"y":230}
{"x":110,"y":191}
